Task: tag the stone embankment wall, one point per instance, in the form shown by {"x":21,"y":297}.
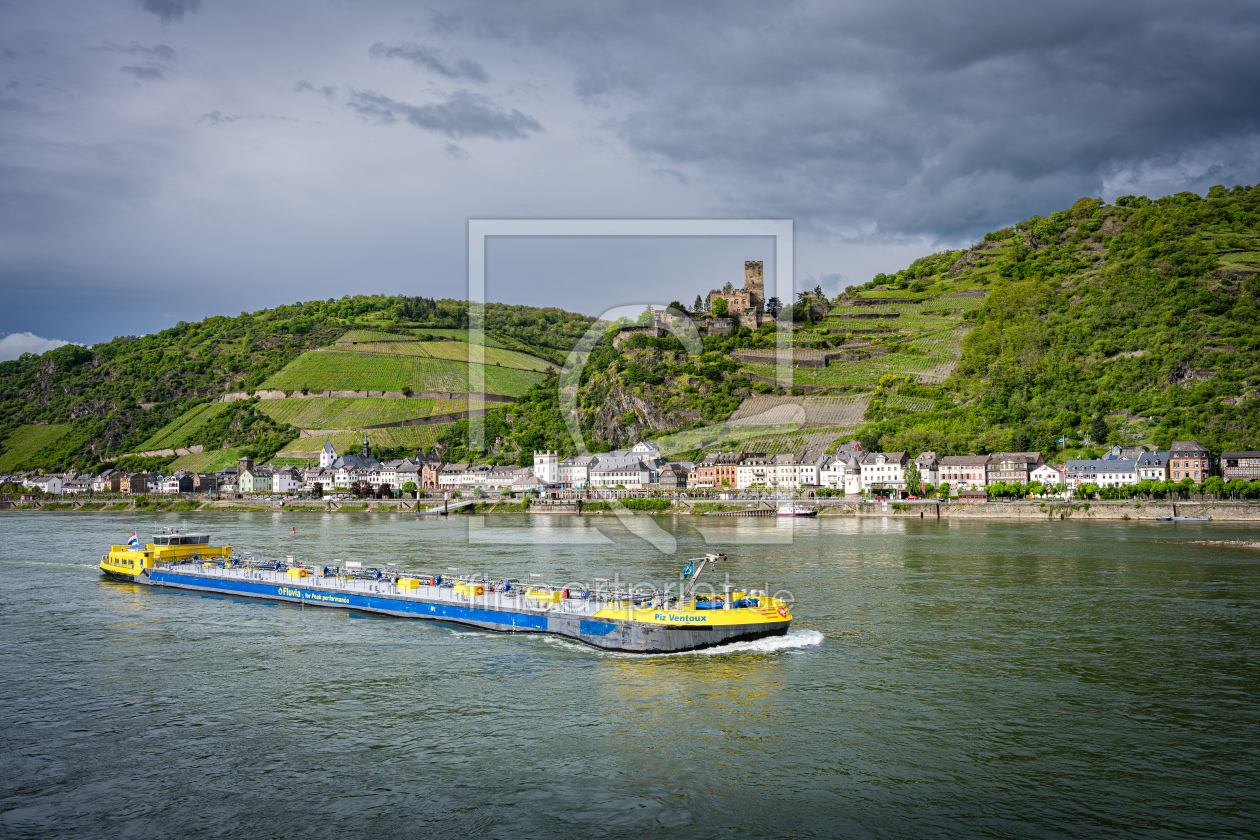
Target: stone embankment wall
{"x":196,"y":449}
{"x":1133,"y":510}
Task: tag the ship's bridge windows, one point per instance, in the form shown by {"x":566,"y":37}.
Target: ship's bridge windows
{"x":183,"y":539}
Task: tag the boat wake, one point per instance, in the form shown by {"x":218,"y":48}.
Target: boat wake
{"x":794,"y":639}
{"x":770,"y":644}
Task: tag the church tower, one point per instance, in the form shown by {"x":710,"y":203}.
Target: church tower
{"x":327,"y":455}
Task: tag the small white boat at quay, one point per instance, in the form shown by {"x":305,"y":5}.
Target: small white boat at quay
{"x":794,"y":509}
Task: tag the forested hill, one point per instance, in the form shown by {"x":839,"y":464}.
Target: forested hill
{"x":115,"y":394}
{"x":1138,"y":321}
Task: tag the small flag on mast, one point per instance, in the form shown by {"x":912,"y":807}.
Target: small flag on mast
{"x":134,"y":542}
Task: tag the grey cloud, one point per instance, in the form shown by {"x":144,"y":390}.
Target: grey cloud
{"x":159,"y":52}
{"x":910,"y":117}
{"x":462,"y":115}
{"x":433,"y":60}
{"x":455,"y":151}
{"x":170,"y":11}
{"x":326,"y":91}
{"x":218,"y":118}
{"x":147,"y":72}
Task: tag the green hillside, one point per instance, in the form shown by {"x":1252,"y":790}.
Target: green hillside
{"x":138,"y":393}
{"x":185,"y":429}
{"x":26,"y":442}
{"x":1144,"y":316}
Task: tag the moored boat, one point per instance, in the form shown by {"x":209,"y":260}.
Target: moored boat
{"x":794,"y":509}
{"x":642,"y":619}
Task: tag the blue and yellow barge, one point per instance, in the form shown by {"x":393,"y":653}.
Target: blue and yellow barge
{"x":640,"y":620}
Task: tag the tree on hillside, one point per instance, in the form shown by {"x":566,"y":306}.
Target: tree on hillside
{"x":699,"y":304}
{"x":1098,"y":430}
{"x":719,"y":307}
{"x":774,"y":306}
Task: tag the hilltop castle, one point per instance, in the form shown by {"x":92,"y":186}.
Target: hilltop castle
{"x":749,"y":303}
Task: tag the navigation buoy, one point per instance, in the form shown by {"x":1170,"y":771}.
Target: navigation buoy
{"x":295,"y":529}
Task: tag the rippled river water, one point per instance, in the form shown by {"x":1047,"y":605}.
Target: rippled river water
{"x":978,"y":679}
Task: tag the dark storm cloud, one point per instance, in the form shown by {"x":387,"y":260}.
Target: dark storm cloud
{"x":147,"y":72}
{"x":462,"y":115}
{"x":170,"y":11}
{"x":433,"y":60}
{"x":911,"y":117}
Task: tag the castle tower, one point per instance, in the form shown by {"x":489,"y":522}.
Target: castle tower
{"x":754,"y":284}
{"x":852,"y":477}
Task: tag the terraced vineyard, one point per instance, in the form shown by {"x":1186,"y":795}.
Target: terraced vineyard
{"x":924,"y":315}
{"x":908,"y":403}
{"x":924,"y":369}
{"x":811,"y":439}
{"x":376,"y":335}
{"x":208,"y":461}
{"x":344,"y":413}
{"x":27,"y":440}
{"x":815,"y":411}
{"x":339,"y":371}
{"x":412,"y":437}
{"x":449,"y":350}
{"x":355,"y":413}
{"x":183,"y":430}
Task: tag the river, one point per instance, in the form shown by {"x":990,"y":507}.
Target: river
{"x":942,"y":679}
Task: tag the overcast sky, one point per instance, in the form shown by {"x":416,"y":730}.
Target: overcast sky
{"x":171,"y":159}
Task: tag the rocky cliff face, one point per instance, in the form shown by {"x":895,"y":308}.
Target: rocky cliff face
{"x":647,"y":393}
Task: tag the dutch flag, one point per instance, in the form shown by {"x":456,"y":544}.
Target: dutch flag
{"x":134,"y":542}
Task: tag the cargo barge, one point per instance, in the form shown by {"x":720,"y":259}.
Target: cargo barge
{"x":639,"y":620}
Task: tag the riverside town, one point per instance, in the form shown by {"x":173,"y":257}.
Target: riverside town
{"x":1185,"y":471}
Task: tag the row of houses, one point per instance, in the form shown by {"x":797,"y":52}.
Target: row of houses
{"x":858,"y":472}
{"x":849,"y":469}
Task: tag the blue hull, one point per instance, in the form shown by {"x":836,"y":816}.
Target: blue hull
{"x":508,"y":621}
